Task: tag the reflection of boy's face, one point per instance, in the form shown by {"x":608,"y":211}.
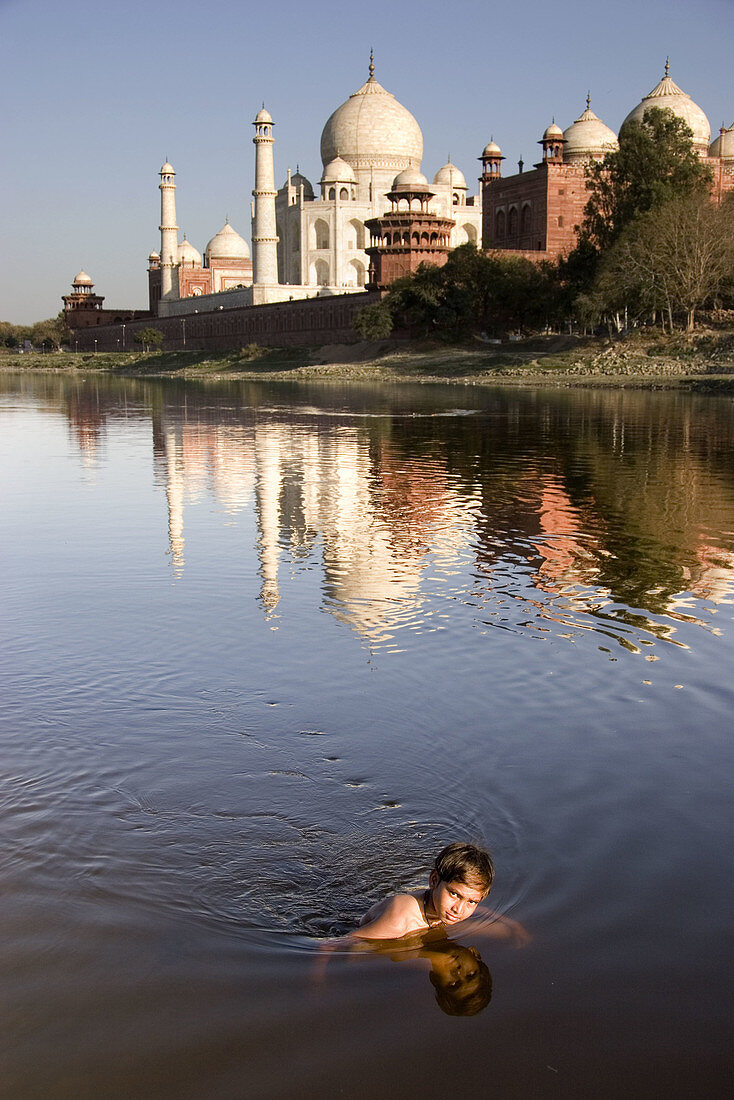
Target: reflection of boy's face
{"x":453,"y":901}
{"x":462,"y":982}
{"x":456,"y":970}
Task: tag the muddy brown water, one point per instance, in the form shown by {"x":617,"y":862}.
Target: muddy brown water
{"x":266,"y":648}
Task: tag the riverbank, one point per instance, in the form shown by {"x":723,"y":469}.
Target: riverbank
{"x":648,"y":359}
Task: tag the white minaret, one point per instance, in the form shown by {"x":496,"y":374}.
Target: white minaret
{"x":264,"y":236}
{"x":169,"y":233}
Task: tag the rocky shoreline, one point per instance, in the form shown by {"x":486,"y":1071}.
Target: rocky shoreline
{"x":704,"y":361}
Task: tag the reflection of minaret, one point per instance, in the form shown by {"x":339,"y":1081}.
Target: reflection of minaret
{"x":269,"y":448}
{"x":169,"y":232}
{"x":264,"y":236}
{"x":175,"y":484}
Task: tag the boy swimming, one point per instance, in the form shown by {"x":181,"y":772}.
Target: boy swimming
{"x":461,"y":877}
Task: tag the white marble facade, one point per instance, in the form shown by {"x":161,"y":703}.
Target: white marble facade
{"x":365,"y":144}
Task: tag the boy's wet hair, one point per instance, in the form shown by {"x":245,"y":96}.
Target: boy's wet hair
{"x":465,"y":863}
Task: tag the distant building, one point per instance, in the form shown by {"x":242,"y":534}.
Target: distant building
{"x":374,"y":218}
{"x":83,"y":308}
{"x":539,"y":212}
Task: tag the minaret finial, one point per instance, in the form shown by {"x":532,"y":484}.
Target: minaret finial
{"x":372,"y":64}
{"x":667,"y":66}
{"x":588,"y":101}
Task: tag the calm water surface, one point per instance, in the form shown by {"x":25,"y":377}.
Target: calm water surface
{"x":266,"y":649}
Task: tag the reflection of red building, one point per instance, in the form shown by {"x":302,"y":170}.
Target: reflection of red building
{"x":407,"y":235}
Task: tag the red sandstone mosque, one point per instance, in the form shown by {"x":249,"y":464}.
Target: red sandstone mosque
{"x":376,"y":217}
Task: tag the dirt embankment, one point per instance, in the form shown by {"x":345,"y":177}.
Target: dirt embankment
{"x":643,"y":358}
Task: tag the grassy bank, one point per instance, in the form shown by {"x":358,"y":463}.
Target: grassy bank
{"x":642,"y":358}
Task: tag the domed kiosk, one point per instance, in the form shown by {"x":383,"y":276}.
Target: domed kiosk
{"x":588,"y":138}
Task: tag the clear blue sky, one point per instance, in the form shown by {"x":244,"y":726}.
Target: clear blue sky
{"x":98,"y":94}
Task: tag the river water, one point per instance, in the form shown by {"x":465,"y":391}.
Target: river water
{"x":267,"y":648}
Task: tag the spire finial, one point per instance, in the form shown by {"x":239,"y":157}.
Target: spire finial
{"x":588,"y":101}
{"x":667,"y":66}
{"x":372,"y":64}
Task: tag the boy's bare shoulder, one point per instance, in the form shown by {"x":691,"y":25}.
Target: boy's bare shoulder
{"x":392,"y":918}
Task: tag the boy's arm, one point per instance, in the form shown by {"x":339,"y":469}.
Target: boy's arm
{"x":503,"y":928}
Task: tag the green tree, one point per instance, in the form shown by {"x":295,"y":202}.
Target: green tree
{"x":149,"y":337}
{"x":374,"y":322}
{"x":677,"y":258}
{"x":655,"y":162}
{"x":50,"y":333}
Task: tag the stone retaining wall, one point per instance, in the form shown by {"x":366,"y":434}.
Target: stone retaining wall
{"x":315,"y":321}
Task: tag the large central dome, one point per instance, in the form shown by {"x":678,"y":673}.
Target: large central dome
{"x":373,"y":130}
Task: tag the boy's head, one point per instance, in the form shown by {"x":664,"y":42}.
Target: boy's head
{"x":467,"y":864}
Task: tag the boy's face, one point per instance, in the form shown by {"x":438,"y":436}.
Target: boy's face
{"x":453,"y":901}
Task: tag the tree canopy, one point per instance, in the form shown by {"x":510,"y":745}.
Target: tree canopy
{"x":655,"y":162}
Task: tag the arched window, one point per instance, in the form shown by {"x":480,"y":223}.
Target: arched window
{"x":355,"y":273}
{"x":499,"y":224}
{"x":424,"y":238}
{"x":471,"y":232}
{"x":560,"y":221}
{"x":320,"y":273}
{"x":343,"y":193}
{"x":355,"y":234}
{"x":416,"y":239}
{"x":525,"y":219}
{"x":320,"y":235}
{"x":512,"y":221}
{"x":332,"y":192}
{"x":406,"y":238}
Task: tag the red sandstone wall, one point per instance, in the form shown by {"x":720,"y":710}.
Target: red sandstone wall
{"x":283,"y":324}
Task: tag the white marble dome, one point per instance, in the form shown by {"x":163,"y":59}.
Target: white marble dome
{"x":227,"y":245}
{"x":82,"y":279}
{"x":410,"y":179}
{"x":723,"y":145}
{"x":451,"y":176}
{"x":492,"y":150}
{"x":552,"y":132}
{"x":373,"y":130}
{"x":667,"y":95}
{"x":297,"y":180}
{"x":588,"y":138}
{"x":168,"y":170}
{"x":263,"y":116}
{"x":187,"y":254}
{"x":338,"y":171}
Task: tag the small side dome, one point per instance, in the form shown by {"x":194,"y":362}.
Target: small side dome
{"x":168,"y":170}
{"x":451,"y":176}
{"x":410,"y":179}
{"x":82,"y":279}
{"x":338,"y":171}
{"x":187,"y":254}
{"x":552,"y":133}
{"x":298,"y":180}
{"x":263,"y":116}
{"x":492,"y":150}
{"x":154,"y":255}
{"x":588,"y":138}
{"x":227,"y":245}
{"x":723,"y":145}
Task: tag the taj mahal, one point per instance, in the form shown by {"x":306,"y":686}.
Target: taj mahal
{"x":372,"y":204}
